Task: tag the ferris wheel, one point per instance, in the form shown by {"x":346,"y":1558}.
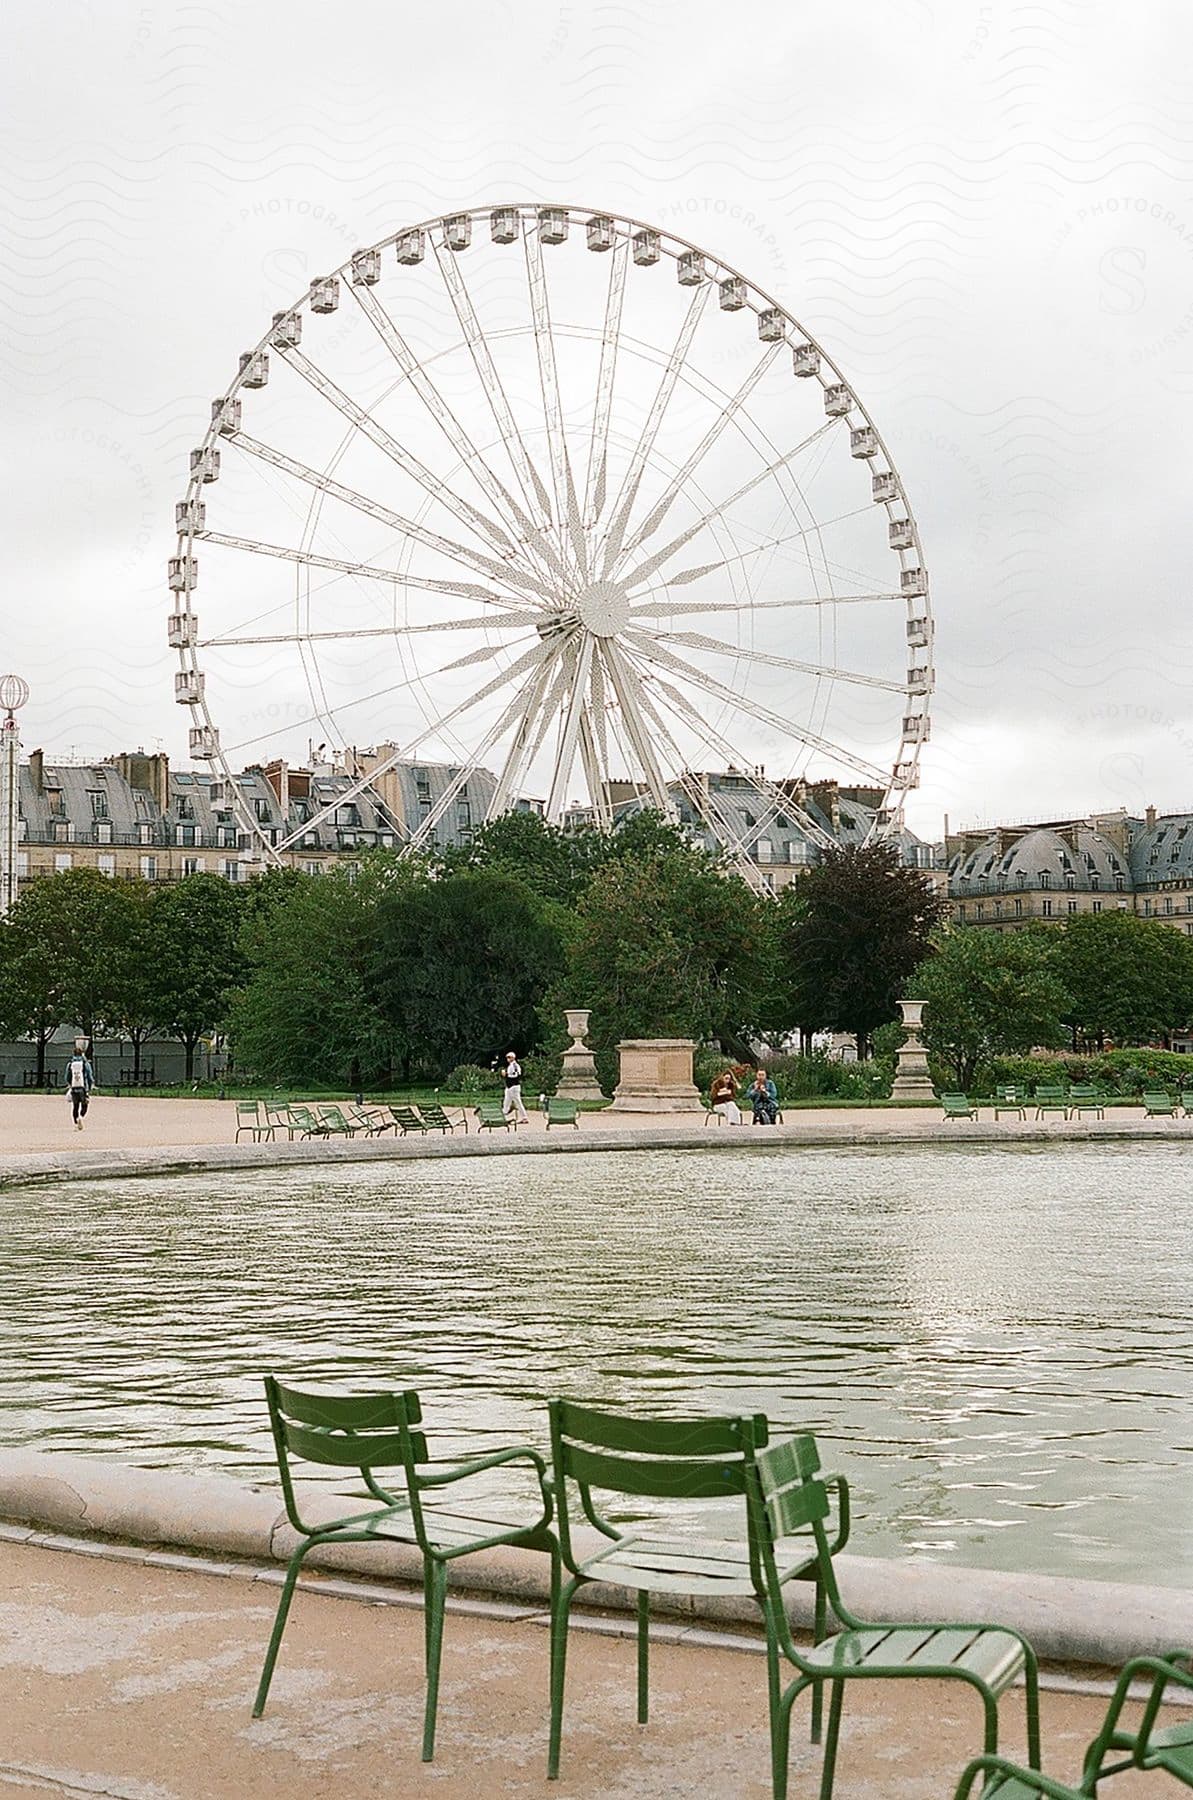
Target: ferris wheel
{"x":567,"y":506}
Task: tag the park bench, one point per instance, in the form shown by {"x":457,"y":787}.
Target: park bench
{"x":1159,"y":1106}
{"x":491,"y":1117}
{"x":435,"y":1119}
{"x":1010,"y":1099}
{"x":373,"y":1433}
{"x":958,"y":1106}
{"x":1051,"y":1099}
{"x":1086,"y":1099}
{"x":562,"y":1112}
{"x":786,"y":1502}
{"x":253,"y":1117}
{"x":1169,"y":1749}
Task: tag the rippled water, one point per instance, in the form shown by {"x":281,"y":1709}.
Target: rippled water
{"x":995,"y":1345}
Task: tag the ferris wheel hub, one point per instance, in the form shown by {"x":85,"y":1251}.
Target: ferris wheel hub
{"x":603,"y":608}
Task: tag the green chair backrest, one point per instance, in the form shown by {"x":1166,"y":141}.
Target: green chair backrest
{"x":673,"y":1459}
{"x":344,"y":1431}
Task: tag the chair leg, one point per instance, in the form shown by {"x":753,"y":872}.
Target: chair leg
{"x":830,"y":1743}
{"x":559,"y":1647}
{"x":818,"y":1634}
{"x":279,"y":1626}
{"x":643,"y":1657}
{"x":438,"y":1597}
{"x":779,"y":1716}
{"x":1031,"y":1682}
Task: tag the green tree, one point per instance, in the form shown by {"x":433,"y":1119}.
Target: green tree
{"x":462,"y":964}
{"x":664,"y":944}
{"x":553,"y":863}
{"x":848,"y":935}
{"x":195,"y":959}
{"x":60,"y":952}
{"x":130,"y":1013}
{"x":1129,"y":979}
{"x":988,"y":994}
{"x":307,"y":1011}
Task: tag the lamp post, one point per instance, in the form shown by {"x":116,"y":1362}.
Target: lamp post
{"x":13,"y":694}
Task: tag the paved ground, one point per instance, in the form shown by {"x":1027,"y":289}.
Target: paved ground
{"x":135,"y":1683}
{"x":41,"y":1122}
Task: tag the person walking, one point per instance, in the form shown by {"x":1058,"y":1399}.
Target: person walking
{"x":511,"y":1100}
{"x":764,"y":1098}
{"x":80,"y":1079}
{"x":722,"y":1097}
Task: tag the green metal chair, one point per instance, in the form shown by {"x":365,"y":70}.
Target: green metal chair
{"x":988,"y":1657}
{"x":1051,"y":1099}
{"x":1187,"y":1105}
{"x":686,"y":1459}
{"x":435,"y":1119}
{"x":1086,"y":1099}
{"x":491,"y":1117}
{"x":407,"y":1120}
{"x":1159,"y":1106}
{"x":1010,"y":1099}
{"x":252,"y":1117}
{"x":562,"y":1112}
{"x":1169,"y":1749}
{"x":372,"y":1120}
{"x":379,"y":1431}
{"x":958,"y":1106}
{"x":307,"y":1123}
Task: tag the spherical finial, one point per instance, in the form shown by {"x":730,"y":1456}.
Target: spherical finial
{"x":14,"y":691}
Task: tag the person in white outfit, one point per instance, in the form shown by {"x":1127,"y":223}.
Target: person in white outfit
{"x":511,"y":1100}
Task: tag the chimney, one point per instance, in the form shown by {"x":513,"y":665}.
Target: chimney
{"x":149,"y":773}
{"x":37,"y":770}
{"x":1150,"y":817}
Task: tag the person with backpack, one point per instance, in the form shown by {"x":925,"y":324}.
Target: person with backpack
{"x":80,"y":1079}
{"x":511,"y":1100}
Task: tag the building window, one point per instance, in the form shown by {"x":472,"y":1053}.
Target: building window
{"x":1018,"y":909}
{"x":106,"y":865}
{"x":1097,"y":906}
{"x":144,"y":834}
{"x":185,"y":835}
{"x":99,"y":802}
{"x":62,"y":862}
{"x":1095,"y":881}
{"x":1147,"y":909}
{"x":149,"y":868}
{"x":463,"y":816}
{"x":979,"y":911}
{"x":1070,"y":881}
{"x":191,"y":866}
{"x":348,"y":814}
{"x":1119,"y":883}
{"x":310,"y":868}
{"x":225,"y":837}
{"x":261,"y":807}
{"x":961,"y":914}
{"x":1045,"y":878}
{"x":185,"y":807}
{"x":103,"y":831}
{"x":230,"y":870}
{"x":56,"y":803}
{"x":1073,"y":906}
{"x":1168,"y":904}
{"x":1046,"y":908}
{"x":998,"y":909}
{"x":64,"y":831}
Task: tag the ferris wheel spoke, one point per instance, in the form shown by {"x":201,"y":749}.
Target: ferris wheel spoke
{"x":529,"y":479}
{"x":724,"y":418}
{"x":693,"y":640}
{"x":431,"y":484}
{"x":628,"y":492}
{"x":590,"y":760}
{"x":708,"y":805}
{"x":598,"y":449}
{"x":499,"y":496}
{"x":627,"y":685}
{"x":780,"y":799}
{"x":567,"y":510}
{"x":525,"y":743}
{"x":666,"y":609}
{"x":463,"y":590}
{"x":511,"y":574}
{"x":659,"y":557}
{"x":579,"y":665}
{"x":656,"y":653}
{"x":836,"y":571}
{"x":481,"y":622}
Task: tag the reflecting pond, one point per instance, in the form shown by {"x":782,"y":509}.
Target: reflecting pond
{"x":996,"y":1345}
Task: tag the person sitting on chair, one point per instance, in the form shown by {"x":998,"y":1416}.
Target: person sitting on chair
{"x":764,"y":1098}
{"x":722,"y":1097}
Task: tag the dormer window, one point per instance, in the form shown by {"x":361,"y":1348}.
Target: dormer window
{"x":1045,"y":879}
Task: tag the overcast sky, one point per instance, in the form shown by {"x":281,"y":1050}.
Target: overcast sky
{"x":985,"y":213}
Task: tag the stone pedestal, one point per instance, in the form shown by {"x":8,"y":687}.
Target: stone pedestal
{"x":579,"y":1078}
{"x":656,"y":1076}
{"x":912,"y":1080}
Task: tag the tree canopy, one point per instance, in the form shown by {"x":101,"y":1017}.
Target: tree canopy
{"x":1128,"y":979}
{"x":990,"y":994}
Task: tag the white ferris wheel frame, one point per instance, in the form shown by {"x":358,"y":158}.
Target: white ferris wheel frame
{"x":593,"y":635}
